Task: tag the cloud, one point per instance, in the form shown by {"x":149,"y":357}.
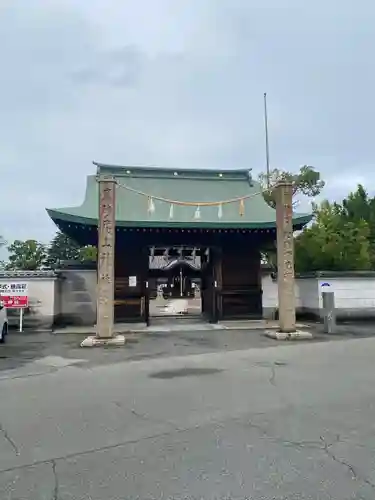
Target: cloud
{"x":178,"y":84}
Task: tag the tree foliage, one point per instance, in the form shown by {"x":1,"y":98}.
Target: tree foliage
{"x":61,"y":248}
{"x":31,"y":255}
{"x":87,"y":254}
{"x":64,"y":248}
{"x":360,"y":206}
{"x":306,"y":182}
{"x":28,"y":255}
{"x":336,"y":241}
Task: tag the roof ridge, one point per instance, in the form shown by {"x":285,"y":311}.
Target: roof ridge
{"x":170,"y":169}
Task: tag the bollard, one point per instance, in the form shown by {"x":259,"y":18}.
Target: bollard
{"x":329,"y":315}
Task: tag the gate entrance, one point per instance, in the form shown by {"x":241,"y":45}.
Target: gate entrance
{"x":175,"y":280}
{"x":219,"y":215}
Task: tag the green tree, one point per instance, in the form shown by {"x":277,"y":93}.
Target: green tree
{"x":28,"y":255}
{"x":63,"y":247}
{"x":333,"y":243}
{"x":306,"y":182}
{"x":88,"y":253}
{"x":2,"y":244}
{"x":358,"y":206}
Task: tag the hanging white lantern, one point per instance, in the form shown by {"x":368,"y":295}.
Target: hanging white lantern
{"x":242,"y":207}
{"x":197,"y":214}
{"x":171,"y":211}
{"x":151,"y":206}
{"x":220,"y":211}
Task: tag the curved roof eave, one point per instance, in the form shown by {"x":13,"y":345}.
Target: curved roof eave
{"x":62,"y":216}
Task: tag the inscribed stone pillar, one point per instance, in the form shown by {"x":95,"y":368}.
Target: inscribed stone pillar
{"x":285,"y":257}
{"x":106,"y":257}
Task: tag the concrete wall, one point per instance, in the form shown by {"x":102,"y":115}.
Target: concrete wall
{"x":68,"y":297}
{"x":354,"y":295}
{"x":77,"y":297}
{"x":270,"y":296}
{"x":42,"y":298}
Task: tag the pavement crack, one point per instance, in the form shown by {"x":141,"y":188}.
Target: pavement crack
{"x":141,"y":415}
{"x":285,"y":442}
{"x":327,"y":448}
{"x":4,"y":432}
{"x":272,"y":378}
{"x":321,"y":445}
{"x":55,"y":494}
{"x":272,"y":367}
{"x":109,"y":447}
{"x":148,"y":418}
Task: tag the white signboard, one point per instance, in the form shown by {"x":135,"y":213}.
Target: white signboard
{"x":15,"y":295}
{"x":132,"y":281}
{"x":14,"y":288}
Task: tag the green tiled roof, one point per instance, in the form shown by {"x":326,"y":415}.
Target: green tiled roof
{"x":181,"y":185}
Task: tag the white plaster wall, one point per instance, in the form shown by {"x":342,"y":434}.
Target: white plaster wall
{"x":77,"y":296}
{"x":41,"y":309}
{"x":309,"y":295}
{"x":270,"y":293}
{"x":351,"y":293}
{"x":269,"y":287}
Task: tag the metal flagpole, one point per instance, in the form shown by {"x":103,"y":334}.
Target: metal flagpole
{"x":267,"y":146}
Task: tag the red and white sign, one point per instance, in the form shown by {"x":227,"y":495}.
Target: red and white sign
{"x":15,"y":301}
{"x":14,"y":295}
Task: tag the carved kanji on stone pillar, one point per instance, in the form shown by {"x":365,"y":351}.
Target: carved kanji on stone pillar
{"x":106,"y":257}
{"x":285,"y":257}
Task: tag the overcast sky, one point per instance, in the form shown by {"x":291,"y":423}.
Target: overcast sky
{"x":178,"y":83}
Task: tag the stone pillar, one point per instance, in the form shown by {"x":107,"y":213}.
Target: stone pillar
{"x":106,"y":267}
{"x":285,"y":257}
{"x":106,"y":258}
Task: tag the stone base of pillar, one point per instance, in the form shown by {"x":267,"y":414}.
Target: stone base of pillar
{"x":296,"y":335}
{"x":93,"y":341}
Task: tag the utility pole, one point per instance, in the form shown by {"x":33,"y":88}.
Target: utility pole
{"x":267,"y":146}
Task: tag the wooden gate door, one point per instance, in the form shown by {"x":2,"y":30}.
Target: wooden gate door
{"x":131,"y":293}
{"x":241,"y":285}
{"x":211,"y":285}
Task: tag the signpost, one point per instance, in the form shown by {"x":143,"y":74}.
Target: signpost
{"x":15,"y":295}
{"x":329,"y":317}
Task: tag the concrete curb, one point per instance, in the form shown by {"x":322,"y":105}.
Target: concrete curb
{"x":92,"y":341}
{"x":297,"y":335}
{"x":161,"y":329}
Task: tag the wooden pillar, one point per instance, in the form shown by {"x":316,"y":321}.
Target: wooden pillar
{"x":285,"y":257}
{"x":106,"y":258}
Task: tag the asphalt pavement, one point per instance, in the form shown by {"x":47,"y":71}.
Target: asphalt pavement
{"x":255,"y":420}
